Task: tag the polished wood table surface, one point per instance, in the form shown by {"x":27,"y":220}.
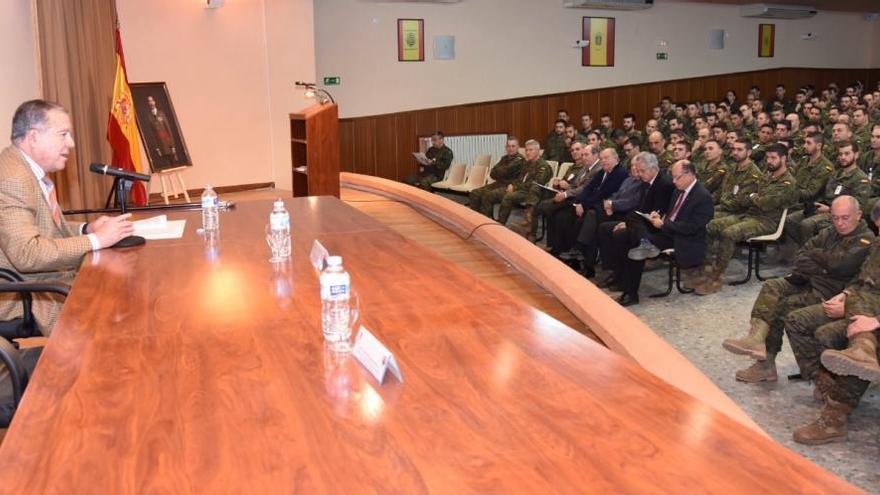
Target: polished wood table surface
{"x":175,"y":368}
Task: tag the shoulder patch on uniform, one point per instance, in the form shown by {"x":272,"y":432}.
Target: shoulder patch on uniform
{"x":722,"y":171}
{"x":830,"y":169}
{"x":865,"y":181}
{"x":787,"y":182}
{"x":866,"y":242}
{"x":756,"y":176}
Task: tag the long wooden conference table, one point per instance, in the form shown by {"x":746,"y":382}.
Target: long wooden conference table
{"x":177,"y":368}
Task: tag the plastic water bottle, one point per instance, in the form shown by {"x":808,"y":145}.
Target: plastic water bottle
{"x":210,"y":213}
{"x":335,"y":295}
{"x":279,"y":225}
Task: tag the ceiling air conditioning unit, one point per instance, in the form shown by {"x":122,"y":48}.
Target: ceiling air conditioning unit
{"x":775,"y":11}
{"x":609,"y":4}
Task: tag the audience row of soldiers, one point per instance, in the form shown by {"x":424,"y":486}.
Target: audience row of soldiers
{"x":700,"y":178}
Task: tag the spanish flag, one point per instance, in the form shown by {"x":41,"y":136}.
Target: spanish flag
{"x":599,"y":31}
{"x":122,"y":129}
{"x":766,"y":39}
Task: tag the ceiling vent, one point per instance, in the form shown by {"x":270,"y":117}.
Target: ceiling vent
{"x":609,"y":4}
{"x":773,"y":11}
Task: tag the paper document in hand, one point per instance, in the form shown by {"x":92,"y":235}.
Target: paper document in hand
{"x":159,"y":227}
{"x":554,"y":191}
{"x":646,"y":216}
{"x":421,"y":158}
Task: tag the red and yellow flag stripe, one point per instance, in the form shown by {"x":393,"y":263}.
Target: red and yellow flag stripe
{"x":766,"y":39}
{"x":599,"y":31}
{"x":122,"y":128}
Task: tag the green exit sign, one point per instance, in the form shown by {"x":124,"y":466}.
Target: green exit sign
{"x":332,"y":81}
{"x":662,"y":56}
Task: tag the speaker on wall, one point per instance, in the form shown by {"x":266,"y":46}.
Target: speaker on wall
{"x":716,"y":39}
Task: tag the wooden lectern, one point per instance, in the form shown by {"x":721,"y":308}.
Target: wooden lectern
{"x":314,"y":145}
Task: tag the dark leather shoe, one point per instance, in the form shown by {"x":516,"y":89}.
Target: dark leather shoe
{"x":588,"y":272}
{"x":627,"y":300}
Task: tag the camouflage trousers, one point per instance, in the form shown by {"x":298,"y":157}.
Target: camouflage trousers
{"x":528,"y":197}
{"x":723,"y":234}
{"x":810,"y":332}
{"x":422,"y":180}
{"x":800,"y":229}
{"x":476,"y":198}
{"x":777,"y":298}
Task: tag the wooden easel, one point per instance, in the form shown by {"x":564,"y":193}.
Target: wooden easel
{"x":172,"y":184}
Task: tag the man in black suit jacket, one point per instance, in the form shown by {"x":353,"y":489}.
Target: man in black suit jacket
{"x":683,"y":228}
{"x":616,"y":237}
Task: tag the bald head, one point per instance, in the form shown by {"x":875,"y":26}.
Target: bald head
{"x":845,"y":214}
{"x":656,"y":143}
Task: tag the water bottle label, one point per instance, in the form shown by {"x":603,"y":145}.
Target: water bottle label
{"x":208,"y":201}
{"x":278,"y":222}
{"x":334,"y":292}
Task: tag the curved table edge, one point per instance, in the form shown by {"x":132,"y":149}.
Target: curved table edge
{"x":628,"y":335}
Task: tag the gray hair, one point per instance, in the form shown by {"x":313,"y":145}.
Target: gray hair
{"x":31,"y":114}
{"x":532,"y":143}
{"x":612,"y":152}
{"x":648,"y":161}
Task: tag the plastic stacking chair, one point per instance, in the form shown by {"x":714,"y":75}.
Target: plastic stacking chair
{"x":454,"y":177}
{"x":668,"y":255}
{"x":563,"y":169}
{"x":476,"y":179}
{"x":484,"y":160}
{"x":554,"y":166}
{"x":758,"y":244}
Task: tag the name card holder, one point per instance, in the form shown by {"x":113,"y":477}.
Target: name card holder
{"x":318,"y":256}
{"x":374,"y":356}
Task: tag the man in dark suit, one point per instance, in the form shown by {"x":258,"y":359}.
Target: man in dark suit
{"x":617,"y":237}
{"x":589,"y":204}
{"x":683,"y":228}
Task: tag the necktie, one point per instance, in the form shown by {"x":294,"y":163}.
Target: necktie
{"x":677,"y":206}
{"x":53,"y":200}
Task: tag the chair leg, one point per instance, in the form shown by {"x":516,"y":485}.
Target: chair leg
{"x":749,"y":272}
{"x":758,"y":263}
{"x":671,"y":282}
{"x":543,"y":228}
{"x":678,"y":286}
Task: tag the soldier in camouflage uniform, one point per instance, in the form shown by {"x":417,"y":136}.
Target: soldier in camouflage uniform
{"x":657,"y":145}
{"x":812,"y":172}
{"x":740,"y":180}
{"x":629,"y":127}
{"x":503,"y":173}
{"x":554,"y":147}
{"x":525,"y":189}
{"x":861,"y":128}
{"x":749,"y":214}
{"x":711,"y":168}
{"x":440,"y":158}
{"x":869,"y":162}
{"x":822,"y":268}
{"x":816,"y":332}
{"x":848,"y":179}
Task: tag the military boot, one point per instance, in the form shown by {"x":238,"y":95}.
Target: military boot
{"x":753,"y":343}
{"x":759,"y":371}
{"x":524,"y":226}
{"x":829,"y":427}
{"x":859,"y":359}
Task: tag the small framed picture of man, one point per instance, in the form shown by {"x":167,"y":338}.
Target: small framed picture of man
{"x":158,"y":126}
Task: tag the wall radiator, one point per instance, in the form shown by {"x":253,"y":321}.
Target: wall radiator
{"x":466,"y":148}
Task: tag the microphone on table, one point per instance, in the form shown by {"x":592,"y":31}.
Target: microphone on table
{"x":119,"y":173}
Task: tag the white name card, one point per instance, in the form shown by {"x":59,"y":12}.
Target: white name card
{"x":375,"y":357}
{"x":318,"y":256}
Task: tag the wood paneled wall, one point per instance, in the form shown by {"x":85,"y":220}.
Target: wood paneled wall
{"x":381,"y":145}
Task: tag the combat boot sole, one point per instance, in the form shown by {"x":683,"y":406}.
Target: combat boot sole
{"x":746,"y":376}
{"x":841,"y":364}
{"x":808,"y":440}
{"x":731,"y":345}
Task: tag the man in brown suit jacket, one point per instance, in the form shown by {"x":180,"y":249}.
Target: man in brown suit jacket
{"x":35,"y":240}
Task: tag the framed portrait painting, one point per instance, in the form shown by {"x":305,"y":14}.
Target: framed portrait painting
{"x":160,"y":132}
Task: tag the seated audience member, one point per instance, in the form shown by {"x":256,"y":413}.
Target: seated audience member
{"x":711,"y":168}
{"x":586,"y":125}
{"x":616,"y":238}
{"x":504,"y":173}
{"x":846,"y":322}
{"x":525,"y":189}
{"x":748,"y":215}
{"x":554,"y":147}
{"x":740,"y":180}
{"x":657,"y":145}
{"x":600,"y":188}
{"x":569,"y":186}
{"x":629,"y":127}
{"x":35,"y":240}
{"x":571,"y":136}
{"x":822,"y":268}
{"x":560,"y":217}
{"x":847,"y":179}
{"x":439,"y":159}
{"x":606,"y":125}
{"x":631,"y":148}
{"x":812,"y":172}
{"x":651,"y":127}
{"x":683,"y":228}
{"x":622,"y":201}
